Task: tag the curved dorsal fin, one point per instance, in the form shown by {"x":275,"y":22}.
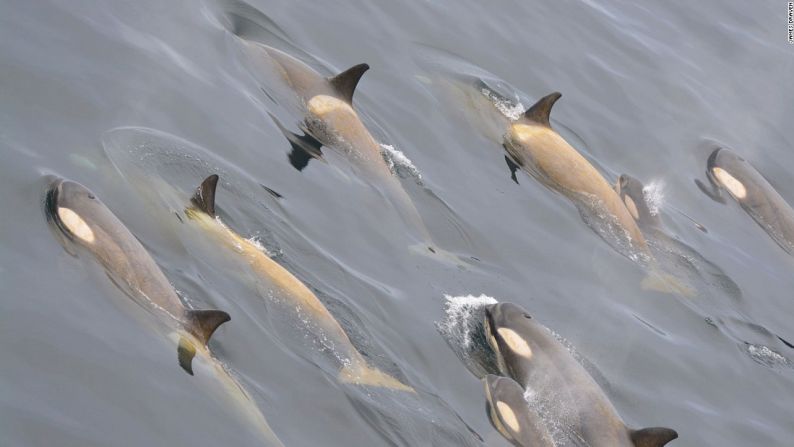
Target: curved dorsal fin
{"x":652,"y":437}
{"x":539,"y":112}
{"x":204,"y":198}
{"x":202,"y":323}
{"x":345,"y":82}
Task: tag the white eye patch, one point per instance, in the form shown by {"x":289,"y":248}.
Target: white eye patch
{"x":508,"y":416}
{"x":515,"y":342}
{"x":75,"y":224}
{"x":735,"y":187}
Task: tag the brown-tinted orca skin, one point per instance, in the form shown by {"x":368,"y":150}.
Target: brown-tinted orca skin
{"x":529,"y":353}
{"x":330,"y":120}
{"x":632,"y":192}
{"x":86,"y":222}
{"x":677,"y":257}
{"x":511,"y":415}
{"x":329,"y":115}
{"x":285,"y":286}
{"x":82,"y":219}
{"x":532,"y":145}
{"x":729,"y":172}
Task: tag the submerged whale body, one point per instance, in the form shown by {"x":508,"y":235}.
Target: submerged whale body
{"x":511,"y":415}
{"x":533,"y":146}
{"x":84,"y":221}
{"x":331,"y":121}
{"x":283,"y":285}
{"x":728,"y":172}
{"x":529,"y":353}
{"x":677,"y":257}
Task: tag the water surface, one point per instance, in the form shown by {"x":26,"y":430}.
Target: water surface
{"x":643,"y":87}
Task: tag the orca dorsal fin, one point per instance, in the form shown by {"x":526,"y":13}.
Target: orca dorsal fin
{"x":204,"y":197}
{"x":202,"y":323}
{"x":652,"y":437}
{"x":345,"y":82}
{"x":539,"y":113}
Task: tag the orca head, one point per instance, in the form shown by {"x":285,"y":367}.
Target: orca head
{"x":66,"y":203}
{"x":505,"y":327}
{"x":722,"y":168}
{"x":501,"y":396}
{"x":632,"y":193}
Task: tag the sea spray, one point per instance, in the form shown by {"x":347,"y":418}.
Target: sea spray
{"x":511,"y":110}
{"x":653,"y":193}
{"x":399,"y":163}
{"x":462,"y":329}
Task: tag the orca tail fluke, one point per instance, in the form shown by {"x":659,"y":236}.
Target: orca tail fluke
{"x":367,"y":376}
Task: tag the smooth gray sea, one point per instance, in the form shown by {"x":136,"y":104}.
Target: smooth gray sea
{"x":140,"y":100}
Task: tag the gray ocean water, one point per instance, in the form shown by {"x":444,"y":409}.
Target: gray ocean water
{"x":140,"y":100}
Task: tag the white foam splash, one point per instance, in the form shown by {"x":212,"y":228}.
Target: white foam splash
{"x":530,"y":394}
{"x":462,"y":329}
{"x":558,"y":416}
{"x":459,"y":311}
{"x":606,"y":225}
{"x":256,"y":241}
{"x":398,"y":162}
{"x":511,"y":110}
{"x":766,"y":356}
{"x":653,"y":193}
